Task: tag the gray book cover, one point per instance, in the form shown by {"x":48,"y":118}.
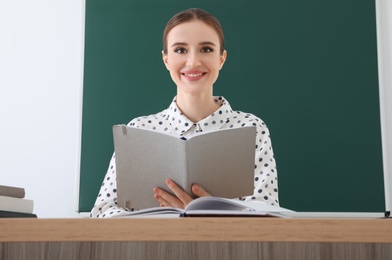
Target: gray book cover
{"x":221,"y":161}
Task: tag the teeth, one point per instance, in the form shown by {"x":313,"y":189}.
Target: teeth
{"x":194,"y":75}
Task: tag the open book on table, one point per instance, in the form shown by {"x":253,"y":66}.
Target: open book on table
{"x":213,"y":206}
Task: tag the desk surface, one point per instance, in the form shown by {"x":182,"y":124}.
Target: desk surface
{"x":198,"y":229}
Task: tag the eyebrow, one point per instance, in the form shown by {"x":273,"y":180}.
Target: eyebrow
{"x":186,"y":44}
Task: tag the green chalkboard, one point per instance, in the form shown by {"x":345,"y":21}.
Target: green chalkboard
{"x":307,"y":68}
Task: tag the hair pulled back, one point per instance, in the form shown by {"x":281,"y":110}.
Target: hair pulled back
{"x":191,"y":15}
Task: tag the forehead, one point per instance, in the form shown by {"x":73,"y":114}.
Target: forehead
{"x":193,"y":32}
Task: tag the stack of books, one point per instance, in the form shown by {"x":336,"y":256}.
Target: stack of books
{"x":13,"y":203}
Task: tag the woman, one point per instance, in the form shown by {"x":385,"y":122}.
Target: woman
{"x":193,"y":53}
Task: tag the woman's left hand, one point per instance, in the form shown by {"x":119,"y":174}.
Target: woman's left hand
{"x":181,"y":198}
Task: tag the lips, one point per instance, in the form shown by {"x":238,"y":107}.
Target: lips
{"x":193,"y":75}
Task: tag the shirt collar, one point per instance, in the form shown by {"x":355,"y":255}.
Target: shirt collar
{"x":215,"y":121}
{"x":177,"y":119}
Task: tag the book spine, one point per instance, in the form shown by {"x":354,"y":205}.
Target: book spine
{"x":16,"y":204}
{"x":185,"y":168}
{"x":13,"y":214}
{"x":14,"y":192}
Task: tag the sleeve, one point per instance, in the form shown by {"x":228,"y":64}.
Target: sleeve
{"x":106,"y":202}
{"x":265,"y":175}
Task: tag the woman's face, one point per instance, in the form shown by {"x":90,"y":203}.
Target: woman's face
{"x":193,"y":57}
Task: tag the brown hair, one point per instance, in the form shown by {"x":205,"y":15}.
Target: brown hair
{"x":190,"y":15}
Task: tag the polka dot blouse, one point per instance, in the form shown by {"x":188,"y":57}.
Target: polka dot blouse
{"x":172,"y":121}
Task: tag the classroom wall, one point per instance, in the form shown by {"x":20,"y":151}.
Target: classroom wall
{"x":41,"y":65}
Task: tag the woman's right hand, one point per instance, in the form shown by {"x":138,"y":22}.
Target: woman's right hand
{"x":180,"y":198}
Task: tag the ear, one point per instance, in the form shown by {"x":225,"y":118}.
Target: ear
{"x":164,"y":58}
{"x":223,"y":59}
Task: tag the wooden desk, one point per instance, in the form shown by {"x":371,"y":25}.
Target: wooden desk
{"x":196,"y":238}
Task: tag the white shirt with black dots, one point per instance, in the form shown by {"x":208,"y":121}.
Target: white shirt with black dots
{"x":172,"y":121}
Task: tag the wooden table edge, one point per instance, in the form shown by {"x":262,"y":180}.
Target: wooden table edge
{"x":233,"y":229}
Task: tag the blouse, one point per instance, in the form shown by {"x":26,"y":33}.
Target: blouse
{"x":172,"y":121}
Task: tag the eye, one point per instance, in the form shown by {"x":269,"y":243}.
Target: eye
{"x":207,"y":49}
{"x":180,"y":50}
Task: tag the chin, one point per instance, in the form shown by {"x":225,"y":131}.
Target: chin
{"x":194,"y":90}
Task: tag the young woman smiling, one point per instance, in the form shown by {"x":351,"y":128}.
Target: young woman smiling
{"x":193,"y":53}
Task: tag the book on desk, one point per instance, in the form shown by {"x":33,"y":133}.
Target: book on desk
{"x":146,"y":158}
{"x":210,"y":206}
{"x":13,"y":203}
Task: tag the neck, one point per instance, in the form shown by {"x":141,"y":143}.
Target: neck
{"x":196,"y":107}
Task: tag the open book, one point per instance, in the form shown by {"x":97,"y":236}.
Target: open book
{"x":222,"y":162}
{"x":213,"y":206}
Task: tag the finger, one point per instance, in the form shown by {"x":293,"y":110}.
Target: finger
{"x":199,"y":191}
{"x":180,"y":193}
{"x":167,"y":199}
{"x":162,"y":201}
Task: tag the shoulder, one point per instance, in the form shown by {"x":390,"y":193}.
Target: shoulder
{"x":142,"y":121}
{"x":240,"y":118}
{"x":248,"y":119}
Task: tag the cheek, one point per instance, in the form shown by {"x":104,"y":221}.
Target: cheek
{"x":215,"y":66}
{"x":174,"y":69}
{"x":214,"y":63}
{"x":175,"y":63}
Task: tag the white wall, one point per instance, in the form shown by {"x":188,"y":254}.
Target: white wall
{"x":384,"y":43}
{"x":41,"y":65}
{"x":41,"y":62}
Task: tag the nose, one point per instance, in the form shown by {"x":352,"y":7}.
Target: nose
{"x":193,"y":60}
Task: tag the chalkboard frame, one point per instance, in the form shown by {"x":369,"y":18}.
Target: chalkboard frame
{"x":308,"y":69}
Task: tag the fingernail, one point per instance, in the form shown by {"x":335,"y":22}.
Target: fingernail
{"x":196,"y":187}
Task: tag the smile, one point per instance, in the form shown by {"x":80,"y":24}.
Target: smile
{"x":193,"y":75}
